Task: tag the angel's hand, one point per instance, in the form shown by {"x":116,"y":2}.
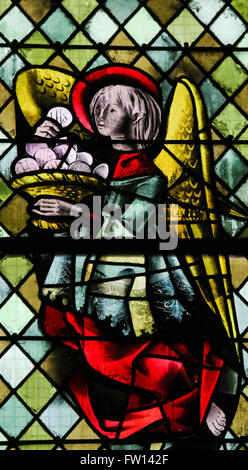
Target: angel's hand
{"x":55,"y":207}
{"x":47,"y":129}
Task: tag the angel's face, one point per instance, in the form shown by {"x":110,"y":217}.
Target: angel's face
{"x":111,"y":118}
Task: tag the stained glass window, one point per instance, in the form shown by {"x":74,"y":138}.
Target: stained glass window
{"x":84,"y":327}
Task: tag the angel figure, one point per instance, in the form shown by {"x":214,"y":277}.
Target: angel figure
{"x":156,"y":332}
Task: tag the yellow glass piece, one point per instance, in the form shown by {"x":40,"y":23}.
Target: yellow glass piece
{"x":144,"y":64}
{"x":142,"y":319}
{"x":4,"y":95}
{"x":14,"y":215}
{"x":180,"y":127}
{"x":120,"y":55}
{"x":223,"y":264}
{"x":4,"y":390}
{"x":88,"y":271}
{"x":156,"y":446}
{"x":240,"y":422}
{"x":30,"y":291}
{"x":210,"y":265}
{"x":139,"y":287}
{"x":56,"y":292}
{"x":194,"y":270}
{"x":70,"y":186}
{"x":239,"y":270}
{"x":82,"y":431}
{"x":88,"y":446}
{"x":59,"y":62}
{"x":233,"y":325}
{"x":8,"y":119}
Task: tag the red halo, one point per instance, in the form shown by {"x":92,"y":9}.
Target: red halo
{"x":84,"y":90}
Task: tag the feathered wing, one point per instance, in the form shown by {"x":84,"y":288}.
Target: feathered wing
{"x":187,"y":165}
{"x":40,"y":89}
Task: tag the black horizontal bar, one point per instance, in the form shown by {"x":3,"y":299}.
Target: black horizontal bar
{"x":223,"y":141}
{"x":49,"y":244}
{"x":137,"y":47}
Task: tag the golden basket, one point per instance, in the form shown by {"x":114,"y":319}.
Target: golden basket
{"x":73,"y":187}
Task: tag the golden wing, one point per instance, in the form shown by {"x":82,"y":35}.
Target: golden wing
{"x":186,"y":161}
{"x":40,"y":89}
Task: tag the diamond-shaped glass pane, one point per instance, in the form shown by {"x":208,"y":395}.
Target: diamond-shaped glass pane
{"x":185,"y":28}
{"x":3,"y":233}
{"x":231,"y":168}
{"x":101,"y":27}
{"x":205,"y":10}
{"x":58,"y":26}
{"x":5,"y":191}
{"x":6,"y":161}
{"x":36,"y":56}
{"x":230,"y":121}
{"x":229,"y":75}
{"x":232,"y":226}
{"x":4,"y":51}
{"x":242,"y":55}
{"x":36,"y":9}
{"x":2,"y":439}
{"x":142,"y":27}
{"x":78,"y":9}
{"x":242,"y":308}
{"x":34,"y":434}
{"x":101,"y":60}
{"x":242,"y":193}
{"x":212,"y":97}
{"x":15,"y":268}
{"x":36,"y":391}
{"x":121,"y":9}
{"x":14,"y":366}
{"x":243,"y":147}
{"x":15,"y":25}
{"x":10,"y":67}
{"x":3,"y":146}
{"x":4,"y":289}
{"x":164,"y":59}
{"x":14,"y":315}
{"x":34,"y":347}
{"x":123,"y":54}
{"x":241,"y":7}
{"x":162,"y":13}
{"x":4,"y":5}
{"x":59,"y":416}
{"x":14,"y":417}
{"x":244,"y":292}
{"x":228,"y":27}
{"x":144,"y":64}
{"x":165,"y":88}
